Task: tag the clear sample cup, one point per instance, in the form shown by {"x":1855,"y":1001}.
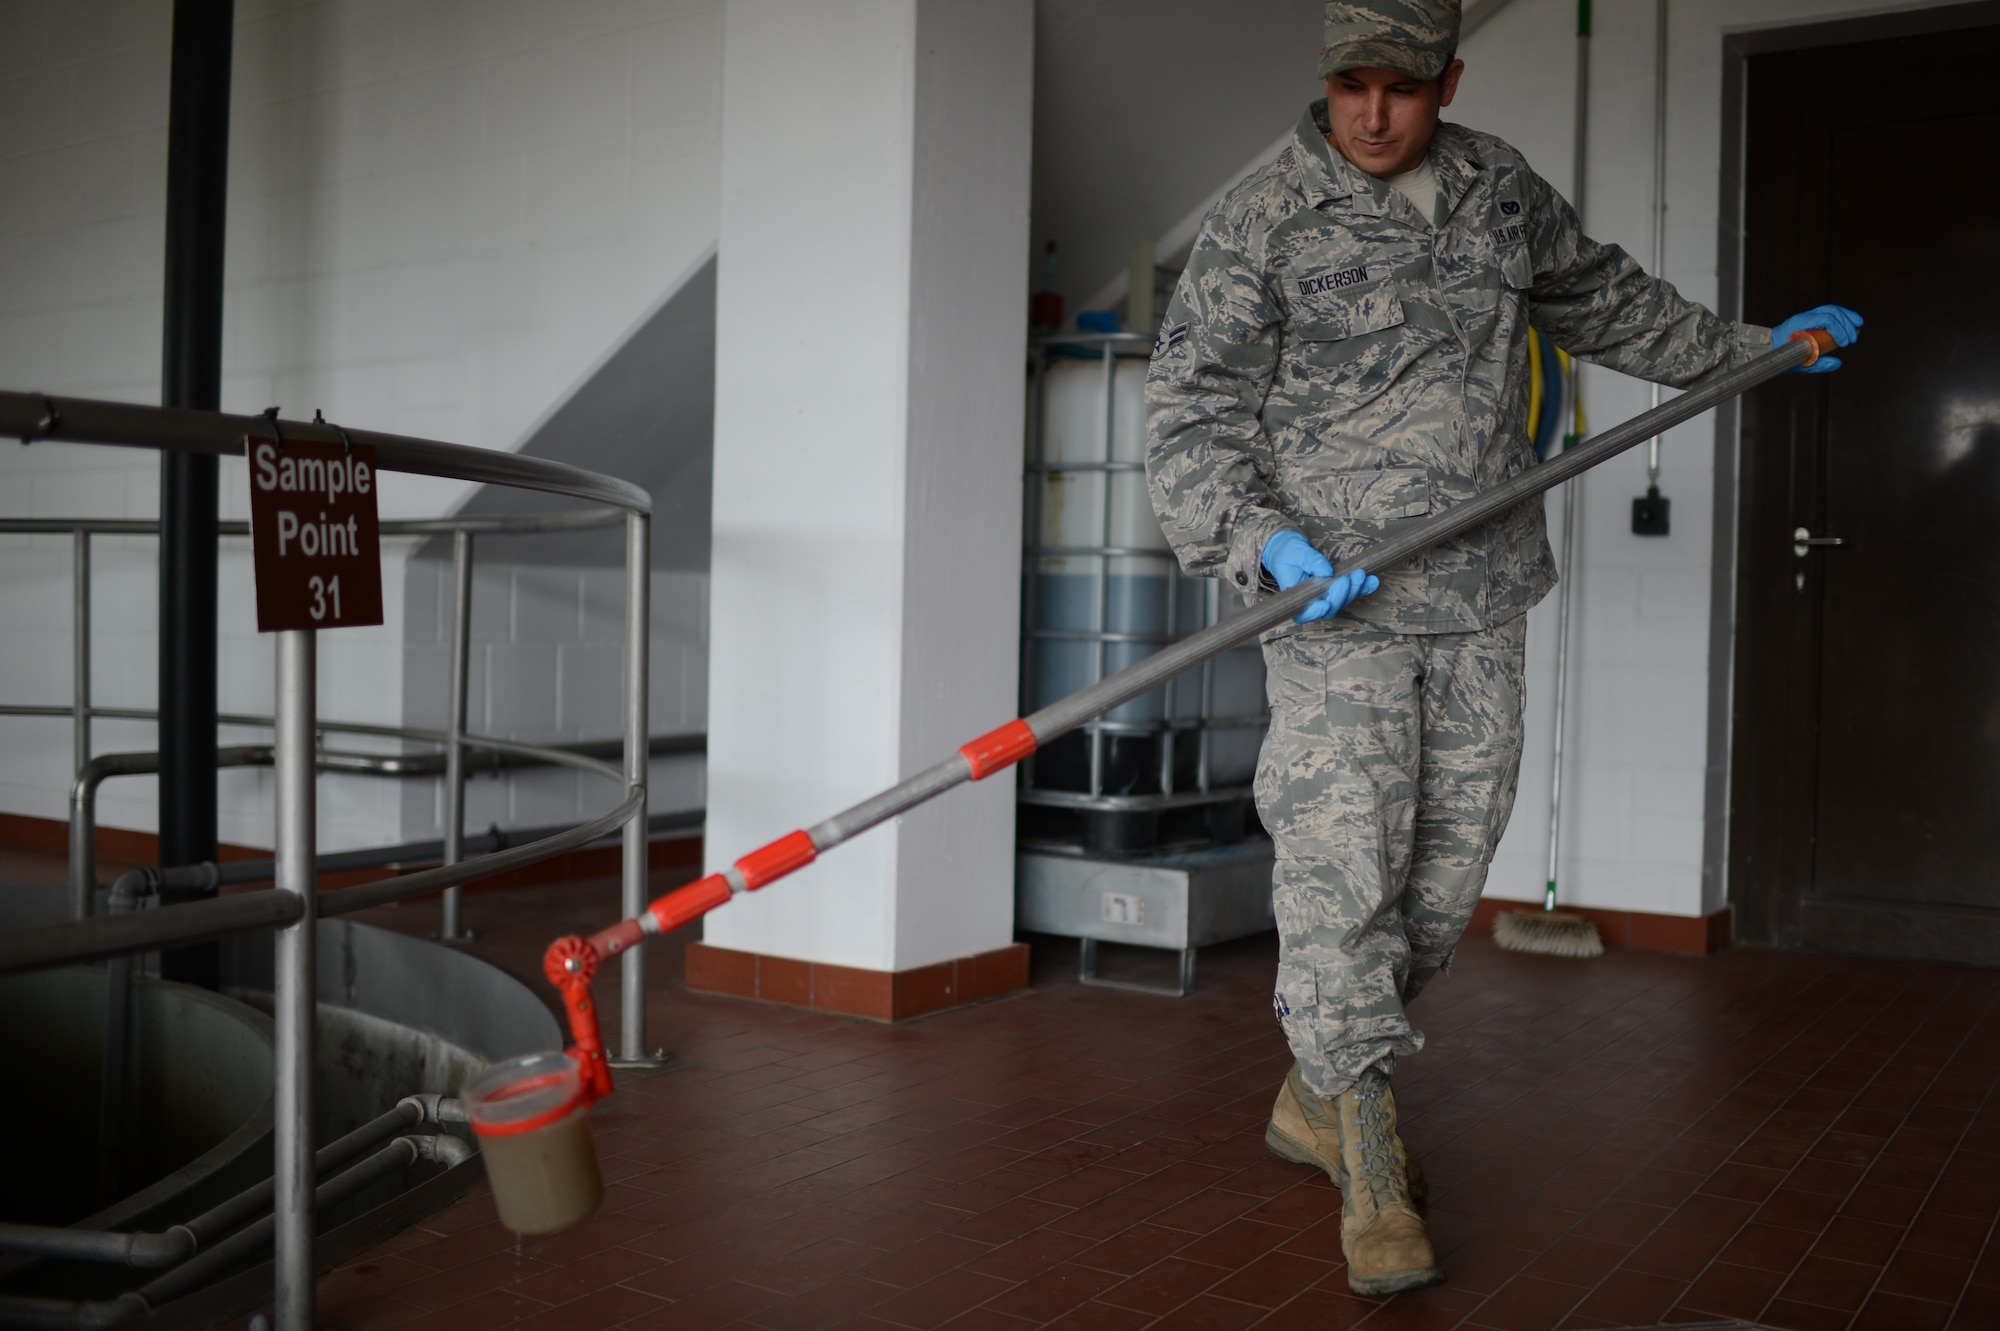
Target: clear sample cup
{"x":532,"y":1120}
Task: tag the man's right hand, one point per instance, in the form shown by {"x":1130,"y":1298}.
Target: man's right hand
{"x":1290,"y":559}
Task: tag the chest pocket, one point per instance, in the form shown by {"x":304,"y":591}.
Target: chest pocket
{"x":1517,"y":270}
{"x":1333,"y":316}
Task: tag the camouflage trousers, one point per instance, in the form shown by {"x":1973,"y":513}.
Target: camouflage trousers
{"x":1385,"y":781}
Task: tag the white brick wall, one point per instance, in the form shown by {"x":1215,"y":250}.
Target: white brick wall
{"x":442,"y":215}
{"x":547,"y":665}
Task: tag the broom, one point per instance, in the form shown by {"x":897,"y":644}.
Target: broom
{"x":1548,"y":931}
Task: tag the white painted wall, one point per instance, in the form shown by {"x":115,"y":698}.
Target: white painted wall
{"x":442,"y":216}
{"x":870,"y":328}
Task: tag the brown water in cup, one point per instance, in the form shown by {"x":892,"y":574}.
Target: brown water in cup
{"x":546,"y":1179}
{"x":544,"y":1174}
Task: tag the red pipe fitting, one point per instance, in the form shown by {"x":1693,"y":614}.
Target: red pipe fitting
{"x":998,"y":749}
{"x":768,"y":864}
{"x":684,"y":904}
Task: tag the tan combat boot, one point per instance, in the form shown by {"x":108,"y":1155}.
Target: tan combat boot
{"x":1354,"y":1139}
{"x":1302,"y":1132}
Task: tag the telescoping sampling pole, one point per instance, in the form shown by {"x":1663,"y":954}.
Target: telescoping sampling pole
{"x":570,"y":962}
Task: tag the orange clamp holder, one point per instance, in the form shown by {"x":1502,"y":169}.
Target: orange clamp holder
{"x":1821,"y":341}
{"x":692,"y":902}
{"x":768,"y":864}
{"x":998,"y":749}
{"x":610,"y":942}
{"x":569,"y":963}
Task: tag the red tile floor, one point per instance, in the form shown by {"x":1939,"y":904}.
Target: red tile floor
{"x":1795,"y":1140}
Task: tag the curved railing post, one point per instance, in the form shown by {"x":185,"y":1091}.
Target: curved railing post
{"x":80,"y":648}
{"x":293,"y":993}
{"x":451,"y":928}
{"x":83,"y":843}
{"x":632,"y":896}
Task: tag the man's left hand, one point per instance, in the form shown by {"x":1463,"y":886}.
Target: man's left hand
{"x":1844,"y":325}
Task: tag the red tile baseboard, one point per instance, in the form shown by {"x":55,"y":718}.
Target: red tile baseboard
{"x":852,"y":991}
{"x":591,"y":862}
{"x":1695,"y":936}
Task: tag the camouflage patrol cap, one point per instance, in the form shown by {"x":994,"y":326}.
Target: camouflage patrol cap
{"x":1414,"y":37}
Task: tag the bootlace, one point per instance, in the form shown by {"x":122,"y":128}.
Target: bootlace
{"x":1371,"y":1113}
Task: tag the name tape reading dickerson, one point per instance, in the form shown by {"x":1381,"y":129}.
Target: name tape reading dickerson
{"x":315,"y":538}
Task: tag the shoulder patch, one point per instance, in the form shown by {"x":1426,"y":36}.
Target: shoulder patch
{"x":1170,"y":338}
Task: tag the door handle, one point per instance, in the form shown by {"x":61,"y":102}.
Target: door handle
{"x":1803,"y":540}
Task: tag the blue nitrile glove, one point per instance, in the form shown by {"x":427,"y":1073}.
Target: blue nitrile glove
{"x":1843,"y":323}
{"x":1290,"y":559}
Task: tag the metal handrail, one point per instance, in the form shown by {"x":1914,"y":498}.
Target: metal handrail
{"x":77,"y":941}
{"x":514,"y":524}
{"x":35,"y":417}
{"x":507,"y":753}
{"x":293,"y":904}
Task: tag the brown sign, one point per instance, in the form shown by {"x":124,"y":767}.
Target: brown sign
{"x":313,"y":535}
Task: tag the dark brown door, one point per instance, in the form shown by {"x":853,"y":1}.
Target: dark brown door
{"x":1866,"y":791}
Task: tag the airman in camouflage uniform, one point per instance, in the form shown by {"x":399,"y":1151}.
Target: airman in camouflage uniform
{"x":1335,"y":363}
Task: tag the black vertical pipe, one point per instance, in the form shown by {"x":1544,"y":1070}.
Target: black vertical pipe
{"x":197,"y":191}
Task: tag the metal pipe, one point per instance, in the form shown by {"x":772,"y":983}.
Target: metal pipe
{"x":168,"y":1246}
{"x":79,"y":649}
{"x":422,"y":852}
{"x":75,"y":941}
{"x":450,"y":929}
{"x":190,"y":494}
{"x":398,"y":1155}
{"x":633,"y":877}
{"x":93,"y":1245}
{"x":1659,"y":197}
{"x":83,"y":794}
{"x":589,"y":756}
{"x":516,"y":524}
{"x":1099,"y":657}
{"x":293,"y":1005}
{"x":83,"y":810}
{"x":253,"y":1201}
{"x":409,"y":886}
{"x":245,"y":912}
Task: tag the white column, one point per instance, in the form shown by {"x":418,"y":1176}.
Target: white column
{"x":871,"y":315}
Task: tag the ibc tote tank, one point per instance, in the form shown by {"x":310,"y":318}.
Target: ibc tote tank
{"x":1102,"y":592}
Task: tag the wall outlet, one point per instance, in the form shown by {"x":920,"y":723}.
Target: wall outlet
{"x":1123,"y":908}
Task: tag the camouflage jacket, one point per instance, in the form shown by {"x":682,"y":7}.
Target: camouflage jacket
{"x":1333,"y":362}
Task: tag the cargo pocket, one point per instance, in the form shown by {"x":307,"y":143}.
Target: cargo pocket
{"x":1371,"y":499}
{"x":1297,"y":993}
